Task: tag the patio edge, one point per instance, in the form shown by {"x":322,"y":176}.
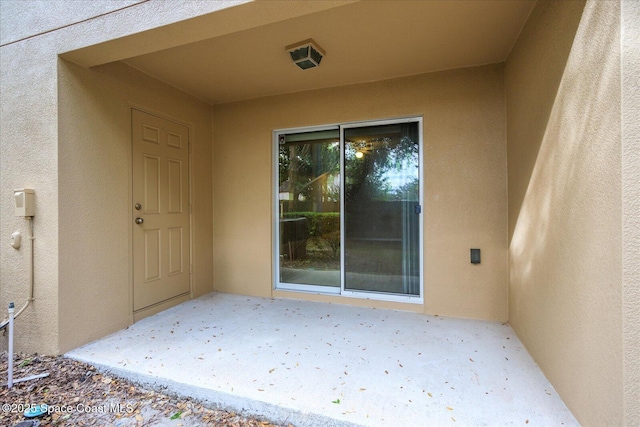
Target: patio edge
{"x":219,"y":400}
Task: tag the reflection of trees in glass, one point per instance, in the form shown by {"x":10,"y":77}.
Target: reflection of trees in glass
{"x":409,"y":191}
{"x":386,"y":171}
{"x":309,"y":171}
{"x":325,"y":233}
{"x":309,"y":176}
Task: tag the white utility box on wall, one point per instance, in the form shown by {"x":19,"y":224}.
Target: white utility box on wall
{"x":25,"y":201}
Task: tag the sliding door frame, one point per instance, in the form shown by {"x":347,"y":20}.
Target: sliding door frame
{"x":277,"y":285}
{"x":341,"y":291}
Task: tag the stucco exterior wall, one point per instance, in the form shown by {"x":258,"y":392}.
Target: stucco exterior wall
{"x":29,"y":143}
{"x":26,"y":19}
{"x":464,"y":176}
{"x":631,"y":208}
{"x":564,"y":157}
{"x":95,"y":205}
{"x":28,"y":132}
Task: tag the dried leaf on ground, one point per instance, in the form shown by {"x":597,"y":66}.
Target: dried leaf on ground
{"x":98,"y":399}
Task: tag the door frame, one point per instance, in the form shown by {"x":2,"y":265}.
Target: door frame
{"x":161,"y":306}
{"x":341,"y":291}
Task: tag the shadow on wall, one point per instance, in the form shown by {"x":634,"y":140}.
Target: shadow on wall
{"x":535,"y":69}
{"x":564,"y":252}
{"x":566,"y":187}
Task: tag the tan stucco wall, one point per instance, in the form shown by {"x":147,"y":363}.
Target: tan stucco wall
{"x":95,"y":193}
{"x":465,"y":181}
{"x":631,"y":208}
{"x":28,"y":158}
{"x":29,"y":148}
{"x":563,"y":131}
{"x":27,"y":18}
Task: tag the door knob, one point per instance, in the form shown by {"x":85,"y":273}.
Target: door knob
{"x":139,"y":220}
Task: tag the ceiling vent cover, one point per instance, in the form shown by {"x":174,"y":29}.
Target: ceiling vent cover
{"x":306,"y":54}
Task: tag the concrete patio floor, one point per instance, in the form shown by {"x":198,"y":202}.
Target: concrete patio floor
{"x":309,"y":363}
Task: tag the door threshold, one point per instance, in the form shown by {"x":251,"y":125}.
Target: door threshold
{"x":415,"y":305}
{"x":161,"y":306}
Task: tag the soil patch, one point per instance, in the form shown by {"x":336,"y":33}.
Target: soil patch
{"x":77,"y":394}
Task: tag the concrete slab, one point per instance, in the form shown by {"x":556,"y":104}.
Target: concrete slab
{"x":310,"y":363}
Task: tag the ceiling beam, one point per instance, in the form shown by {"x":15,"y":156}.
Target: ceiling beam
{"x":227,"y":21}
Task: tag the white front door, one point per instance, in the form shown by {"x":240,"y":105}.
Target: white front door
{"x":161,"y":210}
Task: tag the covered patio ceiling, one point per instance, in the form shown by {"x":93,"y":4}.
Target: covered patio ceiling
{"x":244,"y":56}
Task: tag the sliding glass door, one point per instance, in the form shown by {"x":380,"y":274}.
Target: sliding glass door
{"x":382,"y":208}
{"x":309,"y":208}
{"x":349,"y":210}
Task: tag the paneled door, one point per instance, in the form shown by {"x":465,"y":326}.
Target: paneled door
{"x":160,"y":209}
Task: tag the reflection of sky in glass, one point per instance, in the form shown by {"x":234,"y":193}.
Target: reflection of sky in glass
{"x":400,"y":172}
{"x":398,"y":178}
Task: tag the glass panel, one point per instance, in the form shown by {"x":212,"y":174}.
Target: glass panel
{"x":300,"y":53}
{"x":382,"y":185}
{"x":309,"y":198}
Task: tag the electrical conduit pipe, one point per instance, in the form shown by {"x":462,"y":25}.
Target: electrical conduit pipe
{"x":10,"y":350}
